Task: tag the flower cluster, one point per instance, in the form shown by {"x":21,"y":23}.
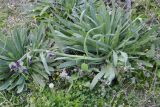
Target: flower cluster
{"x":17,"y":66}
{"x":64,"y":75}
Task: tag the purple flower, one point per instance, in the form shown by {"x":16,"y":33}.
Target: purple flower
{"x":30,"y":61}
{"x":50,"y":54}
{"x":18,"y":64}
{"x":24,"y":69}
{"x":29,"y":58}
{"x":13,"y":66}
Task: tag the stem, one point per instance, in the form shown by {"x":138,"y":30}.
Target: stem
{"x":65,"y":55}
{"x":80,"y":57}
{"x":85,"y":40}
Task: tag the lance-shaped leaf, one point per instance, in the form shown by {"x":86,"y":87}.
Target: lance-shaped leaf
{"x":43,"y":59}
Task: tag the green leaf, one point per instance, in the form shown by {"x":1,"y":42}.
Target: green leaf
{"x":43,"y":59}
{"x":16,"y":82}
{"x":158,"y":73}
{"x":38,"y":68}
{"x":82,"y":15}
{"x":147,"y":64}
{"x":97,"y":78}
{"x":20,"y":87}
{"x":13,"y":85}
{"x":115,"y":58}
{"x":5,"y":58}
{"x":39,"y":80}
{"x":84,"y":67}
{"x":5,"y":85}
{"x":44,"y":10}
{"x":151,"y":52}
{"x":110,"y":73}
{"x":115,"y":40}
{"x":4,"y":75}
{"x":158,"y":62}
{"x":124,"y":57}
{"x":67,"y":64}
{"x":20,"y":80}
